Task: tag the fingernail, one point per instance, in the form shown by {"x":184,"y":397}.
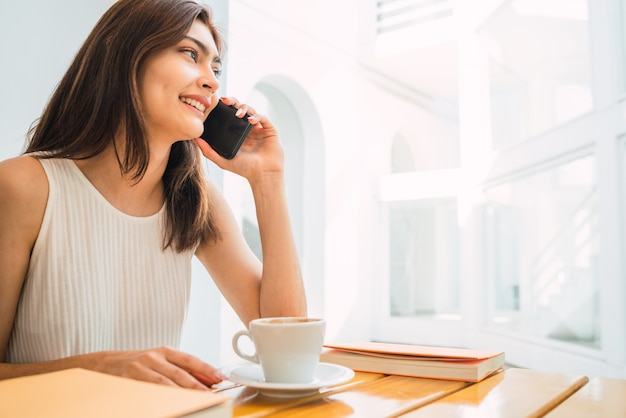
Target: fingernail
{"x":239,"y":112}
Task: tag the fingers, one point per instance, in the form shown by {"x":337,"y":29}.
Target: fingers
{"x":231,"y":101}
{"x":215,"y":378}
{"x":206,"y":149}
{"x":149,"y":375}
{"x":195,"y":367}
{"x":166,"y":366}
{"x":210,"y":153}
{"x":170,"y":374}
{"x":242,"y":108}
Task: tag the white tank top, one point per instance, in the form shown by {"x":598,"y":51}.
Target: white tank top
{"x":98,"y":278}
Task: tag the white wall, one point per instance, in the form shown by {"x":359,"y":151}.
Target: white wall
{"x":38,"y":39}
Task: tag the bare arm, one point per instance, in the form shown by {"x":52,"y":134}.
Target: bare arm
{"x":23,"y":195}
{"x":282,"y":291}
{"x":274,"y":288}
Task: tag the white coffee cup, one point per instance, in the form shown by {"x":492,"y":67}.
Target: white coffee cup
{"x":287,"y":348}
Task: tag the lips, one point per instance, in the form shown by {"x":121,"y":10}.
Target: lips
{"x":195,"y":103}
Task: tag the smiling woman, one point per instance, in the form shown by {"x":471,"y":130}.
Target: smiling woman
{"x":112,"y":204}
{"x":183,"y":73}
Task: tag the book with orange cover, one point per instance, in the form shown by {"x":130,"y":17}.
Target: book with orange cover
{"x":415,"y":360}
{"x":74,"y":393}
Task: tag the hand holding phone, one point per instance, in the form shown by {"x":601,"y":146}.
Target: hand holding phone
{"x":224,"y":131}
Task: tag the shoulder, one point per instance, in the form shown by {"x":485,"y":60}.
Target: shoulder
{"x":23,"y":188}
{"x":23,"y":178}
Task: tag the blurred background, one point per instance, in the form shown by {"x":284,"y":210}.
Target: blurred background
{"x":455,"y":169}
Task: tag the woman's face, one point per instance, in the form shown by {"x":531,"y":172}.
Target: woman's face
{"x":178,"y":87}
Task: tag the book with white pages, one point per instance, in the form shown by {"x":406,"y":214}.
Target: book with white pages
{"x":414,"y":360}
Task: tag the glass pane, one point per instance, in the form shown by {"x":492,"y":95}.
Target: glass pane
{"x":539,"y":66}
{"x":542,"y":247}
{"x":423,"y":259}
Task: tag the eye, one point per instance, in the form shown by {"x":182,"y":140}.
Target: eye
{"x":217,"y":71}
{"x":193,"y":54}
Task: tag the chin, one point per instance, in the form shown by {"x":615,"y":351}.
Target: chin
{"x":198,"y":131}
{"x":193,"y":134}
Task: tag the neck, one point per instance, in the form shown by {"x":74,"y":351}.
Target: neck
{"x":142,"y":197}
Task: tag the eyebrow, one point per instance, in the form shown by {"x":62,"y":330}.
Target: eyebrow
{"x":204,"y":49}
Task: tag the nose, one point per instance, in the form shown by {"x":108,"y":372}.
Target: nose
{"x":209,"y":80}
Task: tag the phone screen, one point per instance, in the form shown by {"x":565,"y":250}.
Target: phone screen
{"x":224,"y":131}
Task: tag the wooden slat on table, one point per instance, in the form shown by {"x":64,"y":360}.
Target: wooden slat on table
{"x":248,"y":403}
{"x":514,"y":393}
{"x":386,"y":397}
{"x":602,"y":397}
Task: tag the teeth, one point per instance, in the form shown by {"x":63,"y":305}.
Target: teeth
{"x":193,"y":103}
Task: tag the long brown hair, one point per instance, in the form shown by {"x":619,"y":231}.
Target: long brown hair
{"x":98,"y":97}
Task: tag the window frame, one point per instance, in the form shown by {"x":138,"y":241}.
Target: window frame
{"x":601,"y":132}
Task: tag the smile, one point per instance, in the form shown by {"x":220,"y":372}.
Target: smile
{"x":194,"y":103}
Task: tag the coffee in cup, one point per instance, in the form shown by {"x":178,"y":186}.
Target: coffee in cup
{"x":287,"y":348}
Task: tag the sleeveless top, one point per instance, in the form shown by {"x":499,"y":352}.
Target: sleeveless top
{"x":98,"y":278}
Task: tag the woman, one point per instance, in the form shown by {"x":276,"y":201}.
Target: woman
{"x":99,"y":219}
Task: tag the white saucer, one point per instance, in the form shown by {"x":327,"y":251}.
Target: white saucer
{"x":326,"y":374}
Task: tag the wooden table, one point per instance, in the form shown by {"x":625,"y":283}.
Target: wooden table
{"x":511,"y":393}
{"x":601,"y":397}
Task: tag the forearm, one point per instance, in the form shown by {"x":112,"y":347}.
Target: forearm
{"x":10,"y":370}
{"x":282,"y":290}
{"x":162,"y":365}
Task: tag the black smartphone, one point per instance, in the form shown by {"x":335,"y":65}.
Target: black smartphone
{"x":224,"y":131}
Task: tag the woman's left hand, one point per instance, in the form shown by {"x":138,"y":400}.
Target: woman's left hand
{"x":261,"y":152}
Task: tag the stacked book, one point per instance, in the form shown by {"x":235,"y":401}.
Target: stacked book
{"x":415,"y":360}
